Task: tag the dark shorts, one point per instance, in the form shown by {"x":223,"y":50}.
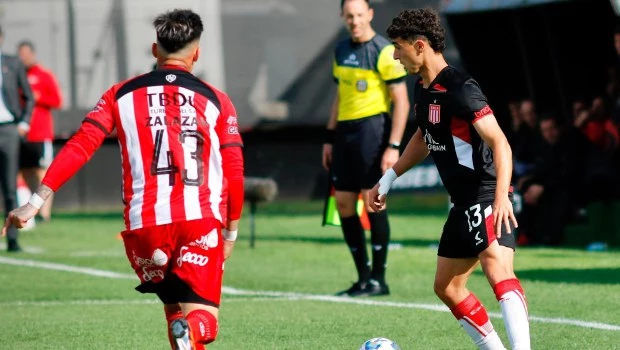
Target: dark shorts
{"x":357,"y":152}
{"x":35,"y":154}
{"x":469,"y":230}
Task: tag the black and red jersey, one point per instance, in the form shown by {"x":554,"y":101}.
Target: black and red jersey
{"x":445,"y":113}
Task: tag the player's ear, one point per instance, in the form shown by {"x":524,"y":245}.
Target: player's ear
{"x":371,"y":13}
{"x":154,"y":50}
{"x":196,"y":54}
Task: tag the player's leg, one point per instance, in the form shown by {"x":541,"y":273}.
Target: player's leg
{"x":355,"y":238}
{"x":455,"y":263}
{"x":196,"y":279}
{"x":497,"y":264}
{"x":373,"y":145}
{"x":450,"y":286}
{"x":496,"y":257}
{"x":173,"y":312}
{"x":345,"y":175}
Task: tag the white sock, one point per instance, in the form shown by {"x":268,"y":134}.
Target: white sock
{"x":490,"y":341}
{"x":474,"y":319}
{"x":514,"y":311}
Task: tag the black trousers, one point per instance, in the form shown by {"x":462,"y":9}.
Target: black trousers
{"x":9,"y":161}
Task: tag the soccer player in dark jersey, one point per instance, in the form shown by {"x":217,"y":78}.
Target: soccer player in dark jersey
{"x":362,"y":144}
{"x":182,"y":179}
{"x":458,"y":128}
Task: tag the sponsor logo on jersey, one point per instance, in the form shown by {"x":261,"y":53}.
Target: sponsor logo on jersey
{"x":432,"y":144}
{"x":170,"y":78}
{"x":233,"y":125}
{"x":351,"y":60}
{"x":434,"y":113}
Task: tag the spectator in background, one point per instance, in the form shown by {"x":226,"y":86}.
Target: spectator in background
{"x":525,"y":139}
{"x":364,"y":143}
{"x":550,"y":187}
{"x":16,"y":102}
{"x":36,"y":152}
{"x":602,"y":137}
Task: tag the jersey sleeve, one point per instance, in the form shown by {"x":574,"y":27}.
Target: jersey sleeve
{"x":391,"y":70}
{"x":96,"y":126}
{"x":227,"y":125}
{"x":473,"y":102}
{"x":335,"y":71}
{"x":227,"y":129}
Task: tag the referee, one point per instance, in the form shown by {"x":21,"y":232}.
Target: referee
{"x":362,"y":142}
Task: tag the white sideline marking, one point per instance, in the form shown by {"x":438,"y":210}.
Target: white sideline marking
{"x":65,"y":268}
{"x":31,"y":250}
{"x":300,"y":296}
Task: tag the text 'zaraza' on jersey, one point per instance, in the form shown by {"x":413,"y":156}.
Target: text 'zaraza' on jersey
{"x":168,"y":121}
{"x":167,"y":99}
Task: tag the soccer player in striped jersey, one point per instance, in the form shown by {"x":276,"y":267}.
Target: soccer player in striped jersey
{"x":458,"y":128}
{"x":182,"y":178}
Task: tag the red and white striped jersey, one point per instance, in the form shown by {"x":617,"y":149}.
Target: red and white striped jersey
{"x":171,"y":129}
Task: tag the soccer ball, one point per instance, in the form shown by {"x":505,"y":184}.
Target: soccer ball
{"x":379,"y":344}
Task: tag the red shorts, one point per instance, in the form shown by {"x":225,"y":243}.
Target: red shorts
{"x":191,"y":250}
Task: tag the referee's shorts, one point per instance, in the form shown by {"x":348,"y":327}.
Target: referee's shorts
{"x":357,"y":152}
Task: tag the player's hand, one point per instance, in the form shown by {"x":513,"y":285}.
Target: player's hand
{"x":19,"y":217}
{"x":327,"y":156}
{"x":390,"y":156}
{"x":376,"y":201}
{"x":228,"y":248}
{"x":503,"y":215}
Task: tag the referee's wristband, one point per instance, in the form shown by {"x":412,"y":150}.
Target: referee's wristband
{"x":36,"y":201}
{"x":229,"y":235}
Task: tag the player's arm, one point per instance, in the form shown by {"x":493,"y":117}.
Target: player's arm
{"x":400,"y":101}
{"x":231,"y":144}
{"x":415,"y":152}
{"x":77,"y":151}
{"x":27,"y":99}
{"x":330,"y":133}
{"x":393,"y":73}
{"x":492,"y":135}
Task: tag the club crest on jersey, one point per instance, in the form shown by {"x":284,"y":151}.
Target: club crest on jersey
{"x":434,"y":113}
{"x":171,"y":77}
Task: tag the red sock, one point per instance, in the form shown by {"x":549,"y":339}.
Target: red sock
{"x":170,"y":317}
{"x":202,"y":327}
{"x":474,"y":319}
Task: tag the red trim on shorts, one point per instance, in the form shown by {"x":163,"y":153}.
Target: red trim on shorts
{"x":488,"y":222}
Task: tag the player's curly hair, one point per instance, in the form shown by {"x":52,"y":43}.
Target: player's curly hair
{"x":410,"y":24}
{"x":175,"y":29}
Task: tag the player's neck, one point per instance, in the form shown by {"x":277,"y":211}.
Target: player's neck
{"x":366,"y":37}
{"x":436,"y":63}
{"x":172,"y":62}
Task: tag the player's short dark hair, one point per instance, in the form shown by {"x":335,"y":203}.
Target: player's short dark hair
{"x":411,"y":24}
{"x":175,"y":29}
{"x":26,"y":43}
{"x":343,"y":1}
